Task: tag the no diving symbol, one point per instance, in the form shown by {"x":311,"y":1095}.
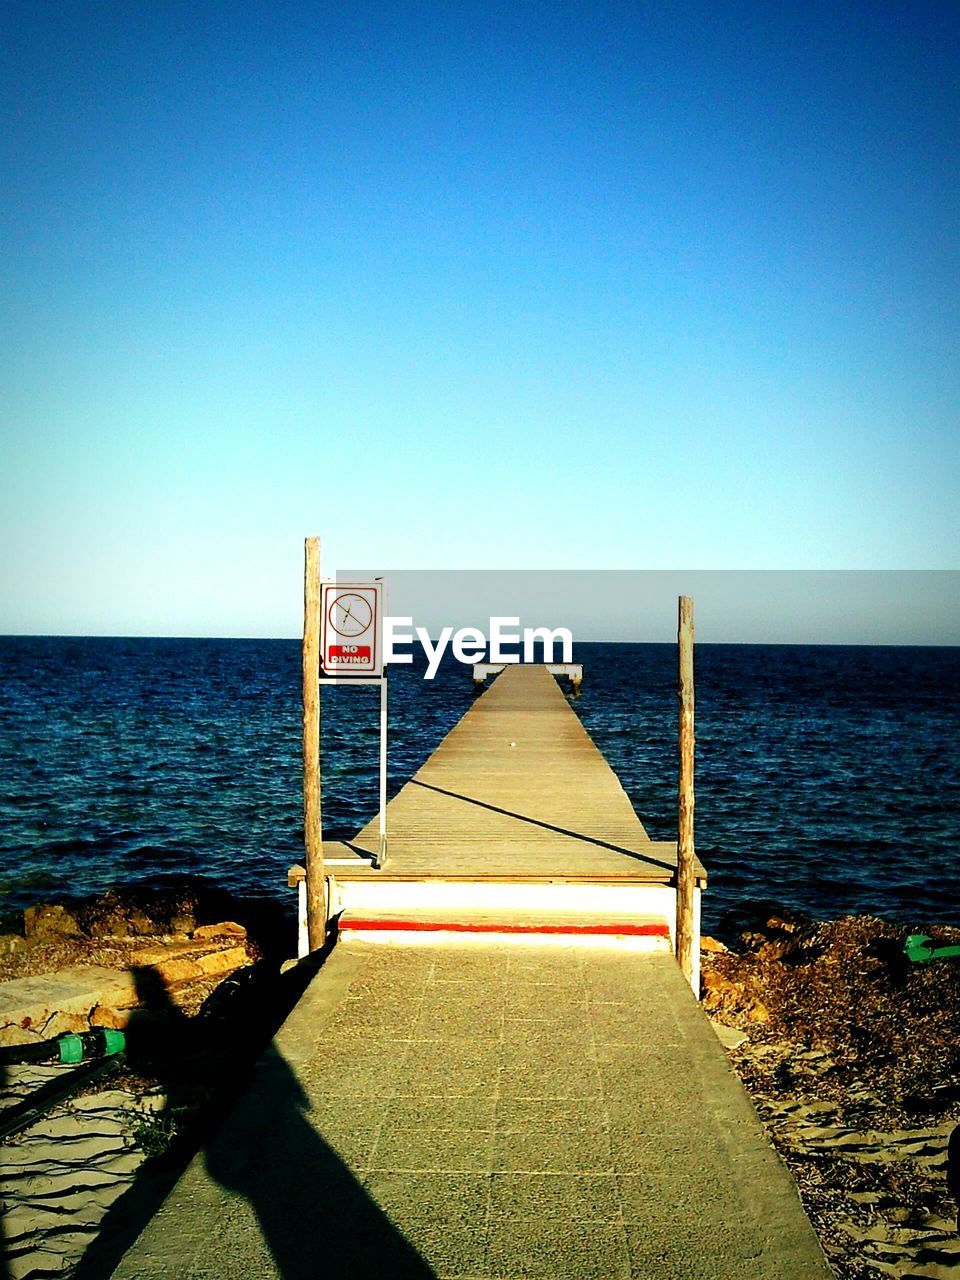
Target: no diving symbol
{"x":350,"y":614}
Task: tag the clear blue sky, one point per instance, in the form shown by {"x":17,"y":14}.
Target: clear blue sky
{"x":468,"y":285}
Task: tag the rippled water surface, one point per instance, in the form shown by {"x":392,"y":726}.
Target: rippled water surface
{"x":827,"y":777}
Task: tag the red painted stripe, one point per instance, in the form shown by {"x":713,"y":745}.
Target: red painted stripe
{"x":650,"y":930}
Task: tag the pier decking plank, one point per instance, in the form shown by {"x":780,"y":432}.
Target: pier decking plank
{"x":517,"y":789}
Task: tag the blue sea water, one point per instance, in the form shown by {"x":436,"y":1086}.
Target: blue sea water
{"x":827,"y":777}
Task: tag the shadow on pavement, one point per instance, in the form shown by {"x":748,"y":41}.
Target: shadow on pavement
{"x":307,"y":1210}
{"x":313,"y":1215}
{"x":4,"y":1264}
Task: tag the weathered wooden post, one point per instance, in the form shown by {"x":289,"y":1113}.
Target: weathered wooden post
{"x":312,"y":821}
{"x":686,"y":875}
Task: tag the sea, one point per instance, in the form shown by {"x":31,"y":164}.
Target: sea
{"x":827,"y":777}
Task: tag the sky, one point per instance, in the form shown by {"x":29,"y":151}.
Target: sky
{"x":468,"y":286}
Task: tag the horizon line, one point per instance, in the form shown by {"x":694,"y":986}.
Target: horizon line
{"x":254,"y":639}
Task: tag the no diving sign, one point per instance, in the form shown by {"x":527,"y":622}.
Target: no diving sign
{"x":351,"y":629}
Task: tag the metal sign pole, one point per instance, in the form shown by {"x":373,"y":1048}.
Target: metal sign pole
{"x":382,"y":854}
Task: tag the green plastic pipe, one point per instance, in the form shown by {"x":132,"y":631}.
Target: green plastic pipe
{"x":919,"y":948}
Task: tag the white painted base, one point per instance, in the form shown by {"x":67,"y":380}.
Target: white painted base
{"x":303,"y":943}
{"x":437,"y":937}
{"x":625,"y":902}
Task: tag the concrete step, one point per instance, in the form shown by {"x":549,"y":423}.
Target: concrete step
{"x":556,"y":928}
{"x":638,"y":917}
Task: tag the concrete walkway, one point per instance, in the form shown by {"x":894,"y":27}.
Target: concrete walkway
{"x":488,"y":1110}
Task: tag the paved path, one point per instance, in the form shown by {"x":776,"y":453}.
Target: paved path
{"x":492,"y":1111}
{"x":516,"y":789}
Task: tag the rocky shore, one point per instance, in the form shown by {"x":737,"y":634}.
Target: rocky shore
{"x":140,"y":928}
{"x":852,"y":1057}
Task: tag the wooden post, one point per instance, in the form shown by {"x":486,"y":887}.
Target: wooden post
{"x":686,"y":877}
{"x":312,"y":822}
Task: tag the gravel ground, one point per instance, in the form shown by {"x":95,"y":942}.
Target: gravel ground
{"x":853,"y":1062}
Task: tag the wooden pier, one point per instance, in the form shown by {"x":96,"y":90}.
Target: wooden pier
{"x":515,"y":825}
{"x":516,"y":790}
{"x":487,"y":1079}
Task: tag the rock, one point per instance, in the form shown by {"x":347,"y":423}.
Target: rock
{"x":142,"y":925}
{"x":729,"y":1037}
{"x":104,"y":1016}
{"x":12,"y":1034}
{"x":710,"y":945}
{"x":115,"y":915}
{"x":752,"y":941}
{"x":61,"y":1022}
{"x":35,"y":1007}
{"x":49,"y":921}
{"x":717,"y":981}
{"x":120,"y":922}
{"x":112,"y":927}
{"x":226,"y":929}
{"x":150,"y":957}
{"x":718,"y":990}
{"x":778,"y":948}
{"x":720,"y":994}
{"x":11,"y":943}
{"x":781,"y":924}
{"x":185,"y":962}
{"x":178,"y":969}
{"x":188,"y":969}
